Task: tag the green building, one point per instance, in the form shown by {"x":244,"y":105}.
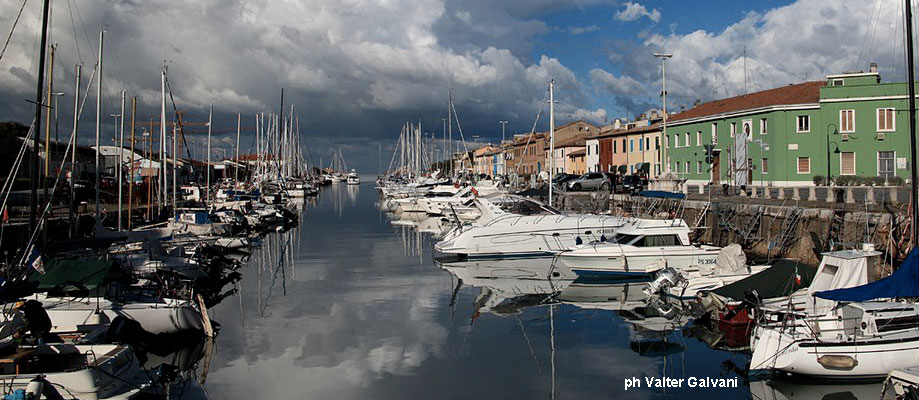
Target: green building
{"x":849,"y":125}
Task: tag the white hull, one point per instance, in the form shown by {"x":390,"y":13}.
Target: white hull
{"x":112,"y":373}
{"x":799,"y":354}
{"x":70,"y":314}
{"x":613,"y":260}
{"x":512,"y":235}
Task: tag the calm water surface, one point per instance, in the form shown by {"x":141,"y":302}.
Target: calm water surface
{"x":350,"y":305}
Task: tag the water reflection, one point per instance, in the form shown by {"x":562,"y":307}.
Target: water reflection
{"x":351,"y":305}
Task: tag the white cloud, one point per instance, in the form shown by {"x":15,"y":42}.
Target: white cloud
{"x":780,"y":50}
{"x":618,"y":85}
{"x":579,"y":30}
{"x":634,"y":11}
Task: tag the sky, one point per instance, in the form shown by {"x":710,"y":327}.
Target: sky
{"x":357,"y":70}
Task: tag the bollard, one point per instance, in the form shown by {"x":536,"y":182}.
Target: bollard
{"x":869,"y":195}
{"x":781,"y":193}
{"x":850,"y":195}
{"x":701,"y":189}
{"x":685,"y":188}
{"x":795,"y":193}
{"x":743,"y":191}
{"x":812,"y":194}
{"x":753,"y":192}
{"x":830,"y":194}
{"x":893,"y":195}
{"x":767,"y":192}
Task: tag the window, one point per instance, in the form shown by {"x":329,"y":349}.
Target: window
{"x":748,"y":130}
{"x":765,"y":166}
{"x":657,"y":143}
{"x":631,"y":145}
{"x":836,"y":82}
{"x":615,"y":146}
{"x":698,"y":167}
{"x":623,"y":145}
{"x":687,"y":167}
{"x":804,"y":123}
{"x":687,"y":143}
{"x":657,"y":169}
{"x":647,"y":143}
{"x":676,"y":141}
{"x":641,"y":145}
{"x":763,"y":127}
{"x":885,"y":120}
{"x":847,"y":163}
{"x":886,"y":164}
{"x":804,"y":165}
{"x":658,"y":240}
{"x":676,"y":167}
{"x":733,"y":129}
{"x":698,"y":138}
{"x":847,"y":121}
{"x":588,"y":150}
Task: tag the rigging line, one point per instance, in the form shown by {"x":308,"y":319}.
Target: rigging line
{"x":868,"y":32}
{"x":76,"y":39}
{"x":83,"y":25}
{"x":181,"y":126}
{"x":532,"y":130}
{"x":13,"y":28}
{"x":453,"y":106}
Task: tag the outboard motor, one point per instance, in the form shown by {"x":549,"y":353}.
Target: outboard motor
{"x":666,"y":278}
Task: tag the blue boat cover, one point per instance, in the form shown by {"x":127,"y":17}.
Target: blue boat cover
{"x":902,"y":283}
{"x":662,"y":194}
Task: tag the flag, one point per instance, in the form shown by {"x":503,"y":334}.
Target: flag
{"x":797,"y":279}
{"x":6,"y":215}
{"x":35,"y":261}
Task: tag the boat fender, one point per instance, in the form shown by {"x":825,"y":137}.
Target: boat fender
{"x":578,"y":241}
{"x":833,"y":361}
{"x":602,"y":238}
{"x":35,"y":387}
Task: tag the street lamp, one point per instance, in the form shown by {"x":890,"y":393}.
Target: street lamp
{"x":663,"y":57}
{"x":503,"y":125}
{"x":828,"y":133}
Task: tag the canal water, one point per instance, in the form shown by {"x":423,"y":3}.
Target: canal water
{"x":350,"y":305}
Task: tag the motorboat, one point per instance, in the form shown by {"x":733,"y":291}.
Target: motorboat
{"x":686,"y":283}
{"x":838,"y":329}
{"x":541,"y":232}
{"x":353,"y":178}
{"x":640,"y":247}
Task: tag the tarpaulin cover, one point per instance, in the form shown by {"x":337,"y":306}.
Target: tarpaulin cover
{"x":784,"y":277}
{"x":73,"y":275}
{"x":902,"y":283}
{"x":661,"y":194}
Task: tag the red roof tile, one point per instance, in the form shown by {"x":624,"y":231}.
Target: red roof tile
{"x":801,"y":93}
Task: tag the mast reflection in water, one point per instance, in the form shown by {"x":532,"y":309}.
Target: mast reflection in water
{"x":351,"y":305}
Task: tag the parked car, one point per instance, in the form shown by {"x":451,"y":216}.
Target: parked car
{"x":561,"y":180}
{"x":590,"y":181}
{"x":634,"y":183}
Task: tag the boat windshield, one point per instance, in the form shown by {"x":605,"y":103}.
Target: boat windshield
{"x":623,"y":238}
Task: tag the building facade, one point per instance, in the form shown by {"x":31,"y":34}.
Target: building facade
{"x":849,"y":125}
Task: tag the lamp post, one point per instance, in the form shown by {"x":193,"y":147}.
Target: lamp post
{"x":828,"y":133}
{"x":503,"y":125}
{"x":663,"y":57}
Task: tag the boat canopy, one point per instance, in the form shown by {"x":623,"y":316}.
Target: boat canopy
{"x":661,"y":194}
{"x":904,"y":282}
{"x":781,"y":279}
{"x":64,"y":275}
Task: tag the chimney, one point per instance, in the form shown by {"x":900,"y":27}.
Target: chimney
{"x":873,"y":68}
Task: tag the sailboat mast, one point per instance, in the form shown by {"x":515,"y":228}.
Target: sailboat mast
{"x":551,"y":135}
{"x":449,"y":154}
{"x":162,"y":178}
{"x":33,"y":198}
{"x":73,"y":154}
{"x":98,"y":128}
{"x":239,"y":121}
{"x":914,"y":178}
{"x":207,"y":189}
{"x":120,"y":163}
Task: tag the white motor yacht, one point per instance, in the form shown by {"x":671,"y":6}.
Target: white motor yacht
{"x":639,"y":248}
{"x":544,"y":232}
